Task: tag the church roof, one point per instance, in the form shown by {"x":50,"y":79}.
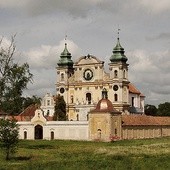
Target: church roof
{"x":143,"y":120}
{"x":134,"y":90}
{"x":29,"y":111}
{"x":89,"y":59}
{"x":118,"y":53}
{"x":65,"y":58}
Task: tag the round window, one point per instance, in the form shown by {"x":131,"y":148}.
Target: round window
{"x":62,"y":90}
{"x":115,"y":87}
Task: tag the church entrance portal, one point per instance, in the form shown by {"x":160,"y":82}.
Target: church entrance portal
{"x":38,"y":132}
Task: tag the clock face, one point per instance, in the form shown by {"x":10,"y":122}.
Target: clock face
{"x":88,"y":74}
{"x":115,"y":87}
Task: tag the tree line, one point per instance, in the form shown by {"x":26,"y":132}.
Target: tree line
{"x":163,"y":109}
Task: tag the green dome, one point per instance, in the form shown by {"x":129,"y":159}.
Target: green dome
{"x":118,"y":53}
{"x":65,"y":58}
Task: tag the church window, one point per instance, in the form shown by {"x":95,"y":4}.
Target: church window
{"x":52,"y":135}
{"x":116,"y":97}
{"x":99,"y":134}
{"x":62,"y":90}
{"x":115,"y":131}
{"x":48,"y":102}
{"x":62,"y":76}
{"x":48,"y":112}
{"x":115,"y":74}
{"x":133,"y":99}
{"x":25,"y":134}
{"x":72,"y":99}
{"x":77,"y":117}
{"x":88,"y":98}
{"x":124,"y":74}
{"x":87,"y":117}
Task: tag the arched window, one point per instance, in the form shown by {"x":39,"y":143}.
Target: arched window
{"x":99,"y":134}
{"x":25,"y":134}
{"x":48,"y":112}
{"x":133,"y":101}
{"x":87,"y":117}
{"x":115,"y":97}
{"x":72,"y":99}
{"x":88,"y":98}
{"x":52,"y":135}
{"x":124,"y":74}
{"x":115,"y":132}
{"x":62,"y":76}
{"x":77,"y":117}
{"x":115,"y":74}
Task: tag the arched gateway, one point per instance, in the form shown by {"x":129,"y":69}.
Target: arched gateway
{"x":38,"y":132}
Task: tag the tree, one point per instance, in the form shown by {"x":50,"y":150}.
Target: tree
{"x":60,"y":109}
{"x":31,"y":100}
{"x":150,"y":110}
{"x":9,"y":136}
{"x":164,"y":109}
{"x":13,"y":79}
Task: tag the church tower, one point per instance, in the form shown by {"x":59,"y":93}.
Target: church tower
{"x":64,"y":71}
{"x":119,"y":78}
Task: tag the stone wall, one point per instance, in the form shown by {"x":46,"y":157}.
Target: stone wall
{"x":141,"y":132}
{"x":70,"y":130}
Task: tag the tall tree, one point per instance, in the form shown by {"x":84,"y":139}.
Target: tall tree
{"x":31,"y":100}
{"x":13,"y":79}
{"x":150,"y":110}
{"x":9,"y":136}
{"x":164,"y":109}
{"x":60,"y":109}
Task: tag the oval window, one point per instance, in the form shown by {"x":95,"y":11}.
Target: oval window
{"x":62,"y":90}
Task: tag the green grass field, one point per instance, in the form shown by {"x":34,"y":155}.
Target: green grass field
{"x":153,"y":154}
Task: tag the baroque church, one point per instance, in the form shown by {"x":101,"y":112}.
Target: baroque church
{"x":81,"y":83}
{"x":102,"y":106}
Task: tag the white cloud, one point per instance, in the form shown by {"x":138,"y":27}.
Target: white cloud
{"x":47,"y":56}
{"x":43,"y":61}
{"x":13,"y":3}
{"x":156,"y":6}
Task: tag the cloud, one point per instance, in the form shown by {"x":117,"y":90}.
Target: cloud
{"x":13,"y":3}
{"x":150,"y":72}
{"x":161,"y":36}
{"x":43,"y":61}
{"x":47,"y":56}
{"x":156,"y":6}
{"x":83,"y":8}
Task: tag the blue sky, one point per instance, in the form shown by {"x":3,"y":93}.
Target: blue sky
{"x":91,"y":28}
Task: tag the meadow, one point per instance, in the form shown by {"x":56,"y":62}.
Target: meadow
{"x":145,"y":154}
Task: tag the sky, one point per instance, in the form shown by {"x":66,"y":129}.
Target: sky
{"x":91,"y":28}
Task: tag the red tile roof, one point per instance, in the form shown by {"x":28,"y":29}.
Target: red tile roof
{"x":143,"y":120}
{"x":29,"y":111}
{"x":134,"y":90}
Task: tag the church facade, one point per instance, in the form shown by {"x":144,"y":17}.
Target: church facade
{"x":81,"y":83}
